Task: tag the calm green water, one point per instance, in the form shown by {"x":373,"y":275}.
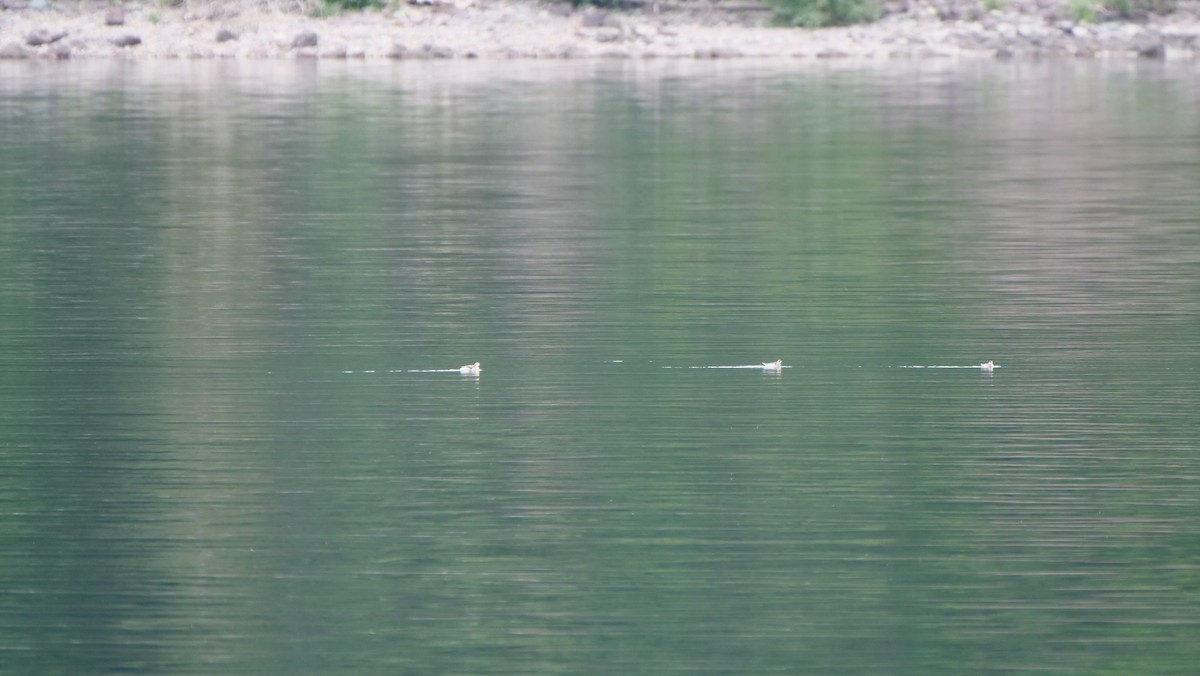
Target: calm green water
{"x":224,"y":289}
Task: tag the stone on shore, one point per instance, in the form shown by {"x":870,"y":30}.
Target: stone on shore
{"x":44,"y":37}
{"x":1151,"y":48}
{"x":13,"y":50}
{"x":114,"y":16}
{"x":305,"y":39}
{"x":427,"y":51}
{"x":593,"y":19}
{"x":717,"y":53}
{"x":225,"y":35}
{"x":127,"y":40}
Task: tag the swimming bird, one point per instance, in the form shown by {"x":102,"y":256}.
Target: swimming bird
{"x":987,"y":365}
{"x":773,"y":365}
{"x":470,"y":369}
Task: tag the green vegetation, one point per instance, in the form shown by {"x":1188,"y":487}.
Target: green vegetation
{"x":816,"y":13}
{"x":813,"y":13}
{"x":1134,"y":9}
{"x":339,"y":5}
{"x":1083,"y":11}
{"x":1090,"y":11}
{"x":808,"y":13}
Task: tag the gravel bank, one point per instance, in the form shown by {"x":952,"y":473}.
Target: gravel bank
{"x":511,"y":29}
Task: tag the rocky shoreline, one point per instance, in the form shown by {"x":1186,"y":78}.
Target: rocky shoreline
{"x":515,"y":29}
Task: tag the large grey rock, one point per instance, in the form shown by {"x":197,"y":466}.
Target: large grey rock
{"x":225,"y":35}
{"x":114,"y":16}
{"x":608,"y":35}
{"x":127,"y":40}
{"x":1151,"y":49}
{"x":437,"y":52}
{"x":427,"y":51}
{"x":305,"y":39}
{"x":593,"y":18}
{"x":42,"y":36}
{"x":13,"y":50}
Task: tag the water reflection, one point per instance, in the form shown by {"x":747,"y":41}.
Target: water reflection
{"x":224,"y":444}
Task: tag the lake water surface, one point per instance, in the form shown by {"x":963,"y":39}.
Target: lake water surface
{"x":227,"y":291}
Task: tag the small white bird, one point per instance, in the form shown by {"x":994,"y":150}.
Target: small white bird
{"x":470,"y":369}
{"x":987,"y":365}
{"x":773,"y":365}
